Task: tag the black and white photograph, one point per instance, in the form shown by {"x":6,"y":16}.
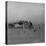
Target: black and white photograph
{"x":25,"y":22}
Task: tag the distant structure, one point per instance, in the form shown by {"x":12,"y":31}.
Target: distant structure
{"x":25,"y":24}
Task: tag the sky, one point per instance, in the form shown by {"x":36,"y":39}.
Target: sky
{"x":33,"y":12}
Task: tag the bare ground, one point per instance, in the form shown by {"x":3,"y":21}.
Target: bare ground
{"x":18,"y":36}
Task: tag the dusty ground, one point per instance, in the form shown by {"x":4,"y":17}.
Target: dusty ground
{"x":17,"y":36}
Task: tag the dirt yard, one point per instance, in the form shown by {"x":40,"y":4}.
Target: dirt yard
{"x":20,"y":36}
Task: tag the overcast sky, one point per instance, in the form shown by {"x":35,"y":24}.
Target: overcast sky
{"x":25,"y":11}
